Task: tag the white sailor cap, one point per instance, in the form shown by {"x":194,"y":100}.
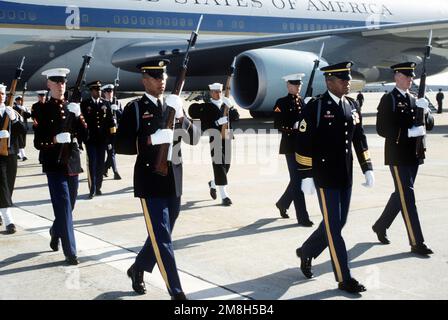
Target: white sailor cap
{"x":215,"y":86}
{"x":295,"y":78}
{"x":56,"y":73}
{"x":18,"y":97}
{"x":2,"y":88}
{"x":41,"y":92}
{"x":108,"y":86}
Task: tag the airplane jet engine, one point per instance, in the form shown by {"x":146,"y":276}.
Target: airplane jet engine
{"x":257,"y":82}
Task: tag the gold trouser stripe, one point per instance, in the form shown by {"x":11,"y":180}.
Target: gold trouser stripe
{"x":89,"y":178}
{"x":404,"y":207}
{"x":329,"y":236}
{"x":155,"y":247}
{"x":304,"y":161}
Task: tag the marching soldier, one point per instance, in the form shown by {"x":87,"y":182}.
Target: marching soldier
{"x":439,"y":98}
{"x":331,"y":124}
{"x":41,"y":99}
{"x":212,"y":119}
{"x":142,"y":124}
{"x":287,"y":112}
{"x":57,"y":126}
{"x":396,"y":122}
{"x":98,"y":115}
{"x":115,"y":106}
{"x":8,"y":161}
{"x":360,"y":99}
{"x":24,"y":116}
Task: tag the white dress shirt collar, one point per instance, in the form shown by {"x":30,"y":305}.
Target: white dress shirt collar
{"x":335,"y":98}
{"x":403,"y":93}
{"x":153,"y":99}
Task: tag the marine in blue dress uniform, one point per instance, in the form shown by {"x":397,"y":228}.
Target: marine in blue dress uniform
{"x":8,"y":162}
{"x":396,"y":121}
{"x":212,"y":119}
{"x":287,"y":112}
{"x":102,"y":128}
{"x":57,"y":128}
{"x":330,"y":124}
{"x":141,"y":131}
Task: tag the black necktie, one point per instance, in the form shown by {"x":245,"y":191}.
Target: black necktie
{"x":160,"y":105}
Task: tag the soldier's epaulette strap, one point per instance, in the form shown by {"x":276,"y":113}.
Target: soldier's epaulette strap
{"x":133,"y":101}
{"x":353,"y":102}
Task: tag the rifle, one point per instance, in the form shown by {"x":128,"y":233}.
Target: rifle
{"x":25,"y":87}
{"x":226,"y":111}
{"x":161,"y":163}
{"x":420,"y":115}
{"x":309,"y":88}
{"x":5,"y":143}
{"x":76,"y":94}
{"x":116,"y":85}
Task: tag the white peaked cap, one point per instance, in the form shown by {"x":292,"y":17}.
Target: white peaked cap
{"x":294,"y":77}
{"x":215,"y":86}
{"x":2,"y":88}
{"x":108,"y":86}
{"x":56,"y":72}
{"x":40,"y":92}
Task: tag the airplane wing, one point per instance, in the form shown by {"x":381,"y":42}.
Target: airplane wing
{"x":223,"y":51}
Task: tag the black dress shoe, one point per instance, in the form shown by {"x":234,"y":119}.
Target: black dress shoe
{"x":283,"y":213}
{"x":91,"y":195}
{"x":137,"y":280}
{"x":226,"y":202}
{"x":105,"y":174}
{"x":98,"y":193}
{"x":72,"y":260}
{"x":54,"y":242}
{"x":1,"y":221}
{"x":212,"y":191}
{"x":24,"y":158}
{"x":351,"y":286}
{"x":421,"y":249}
{"x":11,"y":228}
{"x":179,"y":296}
{"x":305,"y":264}
{"x":117,"y":176}
{"x":306,"y":223}
{"x":382,"y":236}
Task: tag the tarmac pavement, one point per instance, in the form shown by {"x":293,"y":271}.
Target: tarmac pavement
{"x":245,"y":251}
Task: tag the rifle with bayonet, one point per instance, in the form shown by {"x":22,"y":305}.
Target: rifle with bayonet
{"x":161,"y":163}
{"x":309,"y":88}
{"x":420,"y":113}
{"x":77,"y":91}
{"x":116,"y":85}
{"x":5,"y":143}
{"x":226,"y":111}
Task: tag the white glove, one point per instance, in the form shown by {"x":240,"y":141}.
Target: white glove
{"x":416,"y":131}
{"x":423,"y":103}
{"x":21,"y":107}
{"x":63,"y":137}
{"x":162,"y":136}
{"x":4,"y":134}
{"x":221,"y":121}
{"x":74,"y":108}
{"x":308,"y":186}
{"x":307,"y":99}
{"x":175,"y":102}
{"x":11,"y":113}
{"x":228,"y":102}
{"x":114,"y":107}
{"x":296,"y":125}
{"x":109,"y":147}
{"x":370,"y":179}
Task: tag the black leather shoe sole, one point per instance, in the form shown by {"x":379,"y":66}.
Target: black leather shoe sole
{"x":117,"y":176}
{"x":305,"y":264}
{"x":351,"y":286}
{"x":212,"y":191}
{"x":423,"y":251}
{"x":283,"y":213}
{"x":179,"y":296}
{"x":381,"y":235}
{"x":137,"y":287}
{"x":72,"y":260}
{"x":11,"y":228}
{"x":226,"y":202}
{"x":308,"y":223}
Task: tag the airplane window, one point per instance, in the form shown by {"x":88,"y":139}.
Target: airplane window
{"x":22,"y":15}
{"x":159,"y":21}
{"x":220,"y":24}
{"x":182,"y":22}
{"x":292,"y":26}
{"x":125,"y":20}
{"x":285,"y":26}
{"x":166,"y":21}
{"x":2,"y":14}
{"x":241,"y":24}
{"x":142,"y":21}
{"x":305,"y":27}
{"x":134,"y":20}
{"x":234,"y":24}
{"x":312,"y":27}
{"x":150,"y":21}
{"x":32,"y":16}
{"x":11,"y":15}
{"x":116,"y":19}
{"x":298,"y":26}
{"x":318,"y":27}
{"x":174,"y":22}
{"x":190,"y":22}
{"x":324,"y":27}
{"x":85,"y":18}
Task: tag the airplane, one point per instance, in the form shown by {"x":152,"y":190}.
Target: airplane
{"x":269,"y":38}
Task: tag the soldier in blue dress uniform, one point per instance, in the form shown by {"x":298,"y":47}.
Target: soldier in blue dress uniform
{"x":396,"y":121}
{"x":142,"y":131}
{"x":330,"y":124}
{"x":287,"y":112}
{"x":58,"y":127}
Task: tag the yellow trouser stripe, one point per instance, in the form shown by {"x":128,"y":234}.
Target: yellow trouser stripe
{"x":404,"y":207}
{"x":329,"y":236}
{"x":305,"y":161}
{"x":154,"y":242}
